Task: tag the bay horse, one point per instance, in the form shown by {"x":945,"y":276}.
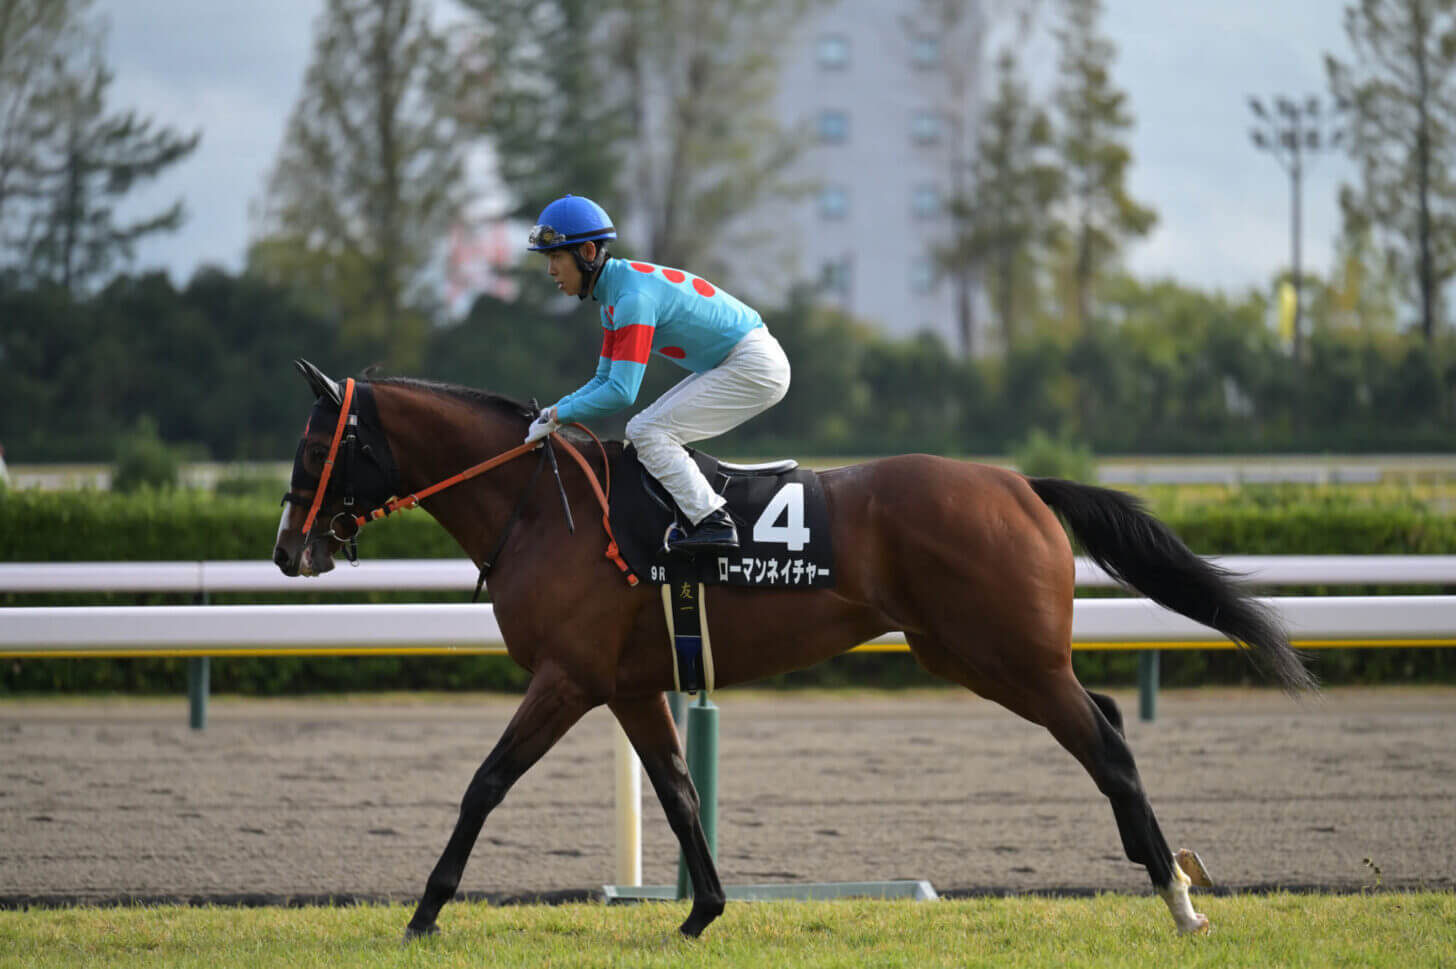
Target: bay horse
{"x":968,"y":560}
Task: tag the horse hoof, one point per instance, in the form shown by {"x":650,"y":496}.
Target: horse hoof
{"x":1193,"y":867}
{"x":1199,"y":927}
{"x":411,"y":932}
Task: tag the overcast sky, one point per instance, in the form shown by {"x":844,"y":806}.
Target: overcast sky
{"x":234,"y":70}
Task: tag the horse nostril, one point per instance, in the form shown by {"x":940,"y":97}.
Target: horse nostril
{"x":280,"y":557}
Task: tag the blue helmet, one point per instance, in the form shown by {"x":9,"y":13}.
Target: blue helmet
{"x":569,"y":220}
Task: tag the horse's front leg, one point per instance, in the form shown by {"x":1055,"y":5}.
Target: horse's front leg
{"x":551,"y":705}
{"x":648,"y":724}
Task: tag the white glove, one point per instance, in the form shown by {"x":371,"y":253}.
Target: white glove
{"x":544,"y":424}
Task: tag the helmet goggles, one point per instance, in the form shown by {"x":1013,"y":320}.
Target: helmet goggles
{"x":547,"y":237}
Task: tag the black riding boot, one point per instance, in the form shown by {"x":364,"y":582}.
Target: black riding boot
{"x":715,"y":533}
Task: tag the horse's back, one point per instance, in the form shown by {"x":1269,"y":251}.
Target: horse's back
{"x":927,"y":489}
{"x":918,"y":527}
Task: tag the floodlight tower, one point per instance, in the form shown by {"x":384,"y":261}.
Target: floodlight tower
{"x":1293,"y":133}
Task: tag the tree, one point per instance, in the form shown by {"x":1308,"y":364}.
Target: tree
{"x":1362,"y":293}
{"x":1003,"y":220}
{"x":371,"y":173}
{"x":698,"y":81}
{"x":551,"y":126}
{"x":958,"y":31}
{"x":67,"y":160}
{"x":1093,"y":121}
{"x":1400,"y":92}
{"x":662,"y":110}
{"x":958,"y":28}
{"x":34,"y":37}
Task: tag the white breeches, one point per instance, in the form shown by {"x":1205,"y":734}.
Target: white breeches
{"x":751,"y":379}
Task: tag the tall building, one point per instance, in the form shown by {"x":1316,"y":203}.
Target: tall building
{"x":886,"y":94}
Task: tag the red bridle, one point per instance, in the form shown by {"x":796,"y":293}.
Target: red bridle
{"x":323,"y":485}
{"x":413,"y":499}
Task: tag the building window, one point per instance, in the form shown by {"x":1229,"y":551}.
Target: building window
{"x":833,"y":126}
{"x":833,"y":202}
{"x":925,"y":201}
{"x":925,"y":51}
{"x":926,"y":128}
{"x":832,"y":51}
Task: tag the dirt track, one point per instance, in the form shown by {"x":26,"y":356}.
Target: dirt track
{"x":107,"y":799}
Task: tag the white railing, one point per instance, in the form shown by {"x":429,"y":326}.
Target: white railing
{"x":203,"y":577}
{"x":205,"y":631}
{"x":419,"y":628}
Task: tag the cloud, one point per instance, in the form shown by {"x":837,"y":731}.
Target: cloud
{"x":237,"y":86}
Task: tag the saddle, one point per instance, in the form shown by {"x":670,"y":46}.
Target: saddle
{"x":783,"y":531}
{"x":779,"y":507}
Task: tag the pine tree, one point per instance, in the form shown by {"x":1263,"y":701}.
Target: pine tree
{"x":1400,"y":92}
{"x":959,"y":30}
{"x":35,"y":37}
{"x":65,"y":161}
{"x":1003,"y":220}
{"x":1093,"y":120}
{"x":371,"y":173}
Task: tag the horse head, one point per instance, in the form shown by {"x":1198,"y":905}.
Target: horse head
{"x":361,"y":460}
{"x":343,"y":467}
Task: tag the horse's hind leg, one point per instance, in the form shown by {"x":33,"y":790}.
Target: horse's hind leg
{"x":1089,"y":726}
{"x":649,"y":726}
{"x":549,"y":709}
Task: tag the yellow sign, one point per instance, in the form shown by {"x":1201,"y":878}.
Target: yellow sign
{"x":1288,"y":304}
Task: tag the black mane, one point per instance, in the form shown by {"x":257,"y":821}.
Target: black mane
{"x":477,"y":398}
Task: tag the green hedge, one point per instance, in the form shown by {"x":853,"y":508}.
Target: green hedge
{"x":100,"y":526}
{"x":182,"y":525}
{"x":191,"y":526}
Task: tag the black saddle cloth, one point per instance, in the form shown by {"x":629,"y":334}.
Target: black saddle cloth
{"x":782,"y":519}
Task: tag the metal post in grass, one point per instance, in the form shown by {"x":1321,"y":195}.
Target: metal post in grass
{"x":1148,"y":685}
{"x":199,"y":673}
{"x":703,"y":767}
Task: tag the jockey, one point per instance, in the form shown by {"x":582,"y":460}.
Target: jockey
{"x":737,"y":368}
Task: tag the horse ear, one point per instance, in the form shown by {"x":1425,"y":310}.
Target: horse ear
{"x":321,"y":384}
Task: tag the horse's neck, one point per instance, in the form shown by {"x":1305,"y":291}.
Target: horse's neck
{"x":435,"y":439}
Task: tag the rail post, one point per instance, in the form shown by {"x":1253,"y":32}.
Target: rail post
{"x":199,"y":676}
{"x":1148,"y":685}
{"x":703,"y":767}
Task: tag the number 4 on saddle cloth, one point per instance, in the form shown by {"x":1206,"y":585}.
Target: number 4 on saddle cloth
{"x":783,"y":533}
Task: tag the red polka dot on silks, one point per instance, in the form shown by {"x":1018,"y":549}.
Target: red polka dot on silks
{"x":677,"y":353}
{"x":642,"y":267}
{"x":674,"y":275}
{"x":704,"y":287}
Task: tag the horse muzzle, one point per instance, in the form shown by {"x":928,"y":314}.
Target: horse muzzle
{"x":294,"y":558}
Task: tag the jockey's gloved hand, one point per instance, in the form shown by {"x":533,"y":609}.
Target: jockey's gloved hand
{"x":544,"y":424}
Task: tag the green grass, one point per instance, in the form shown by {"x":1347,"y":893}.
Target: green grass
{"x":1394,"y":930}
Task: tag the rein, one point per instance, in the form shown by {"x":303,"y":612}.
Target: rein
{"x":413,"y":499}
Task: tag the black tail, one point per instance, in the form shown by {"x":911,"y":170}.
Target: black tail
{"x":1136,"y":549}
